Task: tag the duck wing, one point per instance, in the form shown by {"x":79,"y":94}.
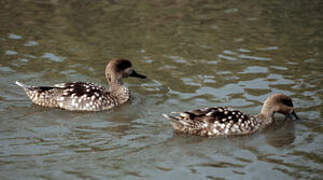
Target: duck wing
{"x":71,"y":96}
{"x":83,"y":96}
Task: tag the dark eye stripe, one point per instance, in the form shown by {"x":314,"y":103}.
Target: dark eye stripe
{"x":122,"y":65}
{"x":287,"y":102}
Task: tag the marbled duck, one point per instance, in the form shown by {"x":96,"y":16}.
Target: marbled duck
{"x":217,"y":121}
{"x":84,"y":96}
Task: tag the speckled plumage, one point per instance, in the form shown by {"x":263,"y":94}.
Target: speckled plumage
{"x":84,"y":96}
{"x":218,"y":121}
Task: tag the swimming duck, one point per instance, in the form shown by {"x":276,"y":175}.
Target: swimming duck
{"x":218,"y":121}
{"x":85,"y":96}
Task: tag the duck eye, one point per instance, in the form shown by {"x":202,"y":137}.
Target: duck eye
{"x":287,"y":102}
{"x":122,"y":65}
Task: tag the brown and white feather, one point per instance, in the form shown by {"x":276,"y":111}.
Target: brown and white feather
{"x":85,"y":96}
{"x":219,"y":121}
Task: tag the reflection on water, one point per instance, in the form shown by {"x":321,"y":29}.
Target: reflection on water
{"x":196,"y":54}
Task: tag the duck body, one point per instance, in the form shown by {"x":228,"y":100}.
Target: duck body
{"x":214,"y":121}
{"x":74,"y":96}
{"x":221,"y":121}
{"x":85,"y":96}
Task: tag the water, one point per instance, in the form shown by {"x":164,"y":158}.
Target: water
{"x":196,"y":54}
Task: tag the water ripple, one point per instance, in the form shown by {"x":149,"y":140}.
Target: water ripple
{"x":195,"y":53}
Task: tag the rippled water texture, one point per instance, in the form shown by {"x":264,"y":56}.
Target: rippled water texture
{"x":195,"y":53}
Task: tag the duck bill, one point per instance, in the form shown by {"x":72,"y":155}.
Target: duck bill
{"x":137,"y":75}
{"x":293,"y":114}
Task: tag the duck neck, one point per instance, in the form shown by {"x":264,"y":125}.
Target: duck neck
{"x":265,"y":117}
{"x":119,"y":91}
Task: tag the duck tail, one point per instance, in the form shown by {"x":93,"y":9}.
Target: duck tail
{"x":23,"y":85}
{"x":175,"y":122}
